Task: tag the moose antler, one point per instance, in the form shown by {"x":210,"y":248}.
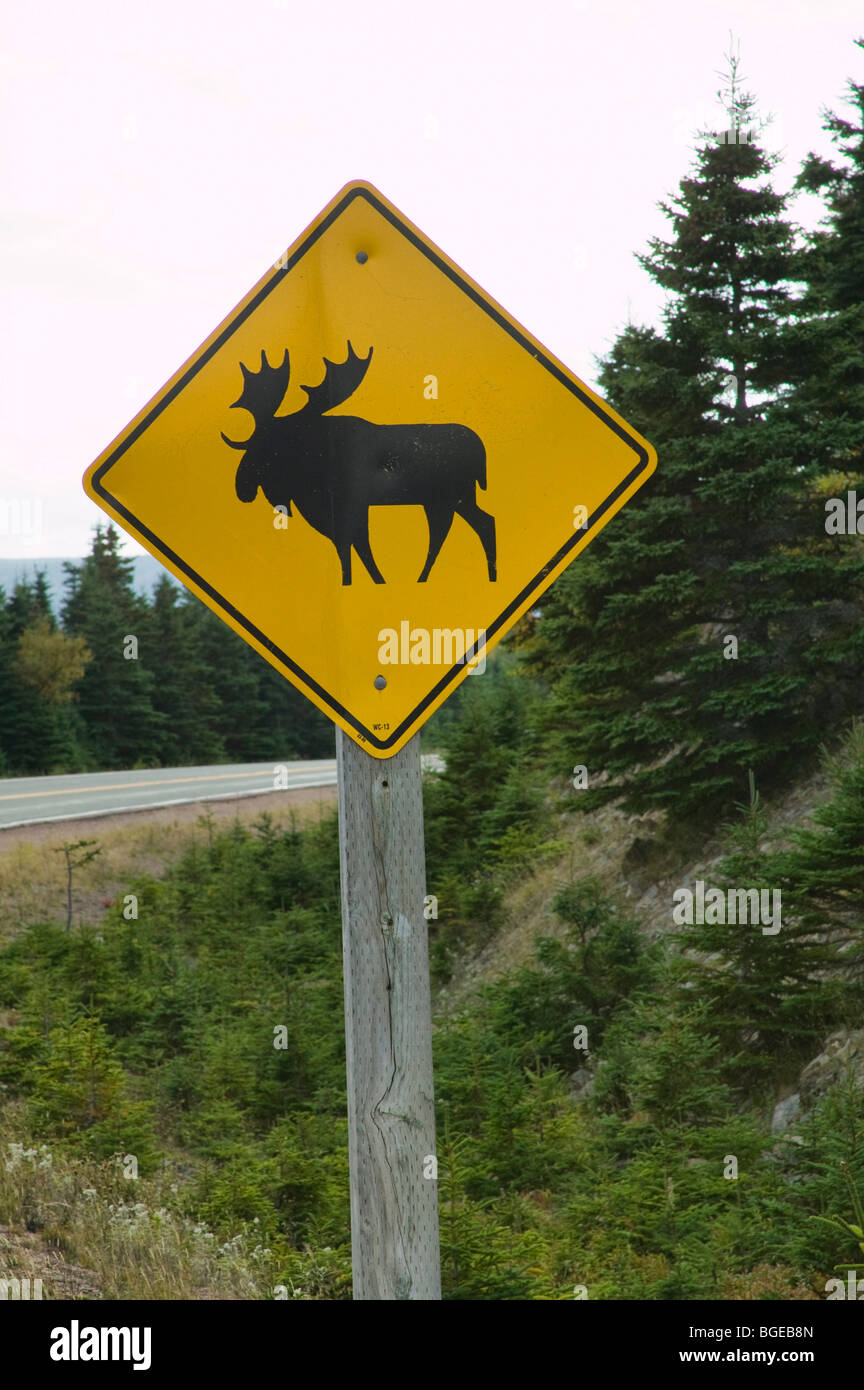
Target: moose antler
{"x":262,"y":391}
{"x":341,"y":379}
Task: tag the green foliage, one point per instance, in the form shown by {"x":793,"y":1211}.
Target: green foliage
{"x":821,"y":1170}
{"x":157,"y":1035}
{"x":485,"y":816}
{"x":77,"y":1093}
{"x":488,"y":784}
{"x":78,"y":697}
{"x":727,"y":539}
{"x":830,"y":340}
{"x":39,"y":668}
{"x":581,"y":979}
{"x":771,"y":997}
{"x":856,"y":1228}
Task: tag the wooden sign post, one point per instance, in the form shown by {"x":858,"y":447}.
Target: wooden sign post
{"x":388,"y":1025}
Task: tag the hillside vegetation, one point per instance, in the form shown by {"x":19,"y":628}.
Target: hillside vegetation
{"x":200,"y":1045}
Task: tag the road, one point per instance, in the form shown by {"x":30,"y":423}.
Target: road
{"x":35,"y":800}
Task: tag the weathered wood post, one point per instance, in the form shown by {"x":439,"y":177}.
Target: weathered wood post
{"x":388,"y":1027}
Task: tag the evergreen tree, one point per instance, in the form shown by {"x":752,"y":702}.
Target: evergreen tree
{"x":696,"y":638}
{"x":183,"y":694}
{"x":764,"y":992}
{"x":822,"y":874}
{"x":485,"y":749}
{"x":221,"y":700}
{"x":120,"y":727}
{"x":822,"y":418}
{"x":772,"y":997}
{"x":235,"y":678}
{"x":829,"y":403}
{"x":40,"y":667}
{"x":7,"y":655}
{"x":294,"y":728}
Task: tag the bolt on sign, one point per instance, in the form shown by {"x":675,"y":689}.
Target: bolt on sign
{"x":370,"y":471}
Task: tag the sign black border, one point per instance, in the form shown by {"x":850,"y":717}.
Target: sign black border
{"x":531,"y":588}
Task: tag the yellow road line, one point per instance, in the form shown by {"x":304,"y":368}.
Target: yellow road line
{"x":123,"y":786}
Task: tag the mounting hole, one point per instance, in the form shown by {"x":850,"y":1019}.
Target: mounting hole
{"x":385,"y":783}
{"x":380,"y":683}
{"x":361,"y":257}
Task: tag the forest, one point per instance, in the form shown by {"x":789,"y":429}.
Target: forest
{"x":76,"y":695}
{"x":604,"y":1105}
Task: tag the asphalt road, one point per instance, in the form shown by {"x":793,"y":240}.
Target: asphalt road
{"x":31,"y":800}
{"x":34,"y":800}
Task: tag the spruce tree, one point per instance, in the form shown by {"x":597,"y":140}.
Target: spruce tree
{"x":234,"y":673}
{"x":829,"y":402}
{"x":183,"y":693}
{"x":262,"y":716}
{"x":469,"y":808}
{"x":293,"y":727}
{"x":773,"y":996}
{"x":119,"y":725}
{"x":827,"y":407}
{"x":695,"y":639}
{"x":7,"y":654}
{"x":39,"y":669}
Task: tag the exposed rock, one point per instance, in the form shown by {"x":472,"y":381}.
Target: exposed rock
{"x":637,"y":865}
{"x":581,"y":1084}
{"x":843,"y":1053}
{"x":786,"y":1113}
{"x":639,"y":853}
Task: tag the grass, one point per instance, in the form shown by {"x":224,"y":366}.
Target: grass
{"x":127,"y":1234}
{"x":33,"y":872}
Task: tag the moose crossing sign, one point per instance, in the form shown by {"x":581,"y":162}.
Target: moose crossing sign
{"x":370,"y":471}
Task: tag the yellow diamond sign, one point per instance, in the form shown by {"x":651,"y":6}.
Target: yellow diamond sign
{"x":370,"y":471}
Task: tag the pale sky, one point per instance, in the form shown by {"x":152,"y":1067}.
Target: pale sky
{"x":156,"y":158}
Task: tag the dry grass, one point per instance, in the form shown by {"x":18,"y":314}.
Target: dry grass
{"x":633,"y":859}
{"x":88,"y":1232}
{"x":32,"y":868}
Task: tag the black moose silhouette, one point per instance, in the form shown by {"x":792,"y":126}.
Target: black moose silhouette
{"x":335,"y":467}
